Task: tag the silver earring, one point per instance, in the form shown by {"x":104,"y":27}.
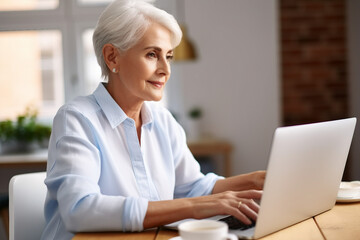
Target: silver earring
{"x":114,"y":70}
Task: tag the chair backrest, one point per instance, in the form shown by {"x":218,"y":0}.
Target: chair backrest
{"x":27,"y":194}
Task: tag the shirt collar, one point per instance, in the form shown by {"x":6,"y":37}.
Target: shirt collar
{"x":146,"y":114}
{"x":113,"y":111}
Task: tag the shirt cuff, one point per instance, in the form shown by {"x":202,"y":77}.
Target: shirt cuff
{"x":134,"y":213}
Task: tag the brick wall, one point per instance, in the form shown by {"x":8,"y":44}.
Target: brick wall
{"x":313,"y":52}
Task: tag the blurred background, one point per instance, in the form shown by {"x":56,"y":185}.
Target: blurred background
{"x":258,"y":65}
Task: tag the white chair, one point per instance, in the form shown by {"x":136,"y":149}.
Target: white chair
{"x":27,"y":194}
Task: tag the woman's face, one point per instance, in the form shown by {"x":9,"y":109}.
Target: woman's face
{"x":145,"y":68}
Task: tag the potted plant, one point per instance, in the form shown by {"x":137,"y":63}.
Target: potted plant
{"x":195,"y":113}
{"x":23,"y":135}
{"x":194,"y":124}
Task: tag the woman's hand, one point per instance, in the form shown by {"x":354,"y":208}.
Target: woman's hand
{"x":238,"y":204}
{"x":225,"y":203}
{"x":227,"y":194}
{"x":253,"y":180}
{"x":259,"y":179}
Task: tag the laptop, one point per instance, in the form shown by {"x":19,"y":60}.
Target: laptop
{"x":303,"y":176}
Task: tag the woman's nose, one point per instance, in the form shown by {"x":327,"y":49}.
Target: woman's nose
{"x":163,"y":66}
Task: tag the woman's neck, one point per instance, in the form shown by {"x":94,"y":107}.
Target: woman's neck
{"x":132,"y":108}
{"x":129,"y":104}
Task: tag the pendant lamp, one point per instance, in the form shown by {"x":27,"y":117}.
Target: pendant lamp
{"x":185,"y":51}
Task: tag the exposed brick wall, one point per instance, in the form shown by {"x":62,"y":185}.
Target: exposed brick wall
{"x":313,"y":52}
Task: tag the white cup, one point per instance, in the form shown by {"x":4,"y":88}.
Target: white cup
{"x":349,"y":189}
{"x":205,"y":230}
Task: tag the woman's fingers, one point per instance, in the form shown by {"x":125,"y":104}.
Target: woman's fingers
{"x":242,"y":216}
{"x":241,"y":205}
{"x":250,"y":194}
{"x":253,"y":205}
{"x":247,"y":208}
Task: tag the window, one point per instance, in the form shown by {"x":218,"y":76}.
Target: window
{"x":47,"y":57}
{"x":46,"y":54}
{"x":95,"y":2}
{"x":31,"y":72}
{"x":25,"y":5}
{"x":92,"y":70}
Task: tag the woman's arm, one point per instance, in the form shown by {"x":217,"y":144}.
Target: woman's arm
{"x":202,"y":199}
{"x":253,"y":180}
{"x":227,"y":193}
{"x":225,"y":203}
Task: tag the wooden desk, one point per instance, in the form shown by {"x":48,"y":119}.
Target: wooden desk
{"x":341,"y":222}
{"x":211,"y":147}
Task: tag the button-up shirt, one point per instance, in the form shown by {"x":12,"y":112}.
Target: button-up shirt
{"x":100,"y":178}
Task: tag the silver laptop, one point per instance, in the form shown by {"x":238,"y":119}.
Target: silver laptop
{"x":303,"y":175}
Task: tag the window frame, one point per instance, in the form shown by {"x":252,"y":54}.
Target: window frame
{"x":71,"y":18}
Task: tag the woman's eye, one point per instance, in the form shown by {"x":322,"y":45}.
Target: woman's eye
{"x":169,"y":57}
{"x":151,"y":55}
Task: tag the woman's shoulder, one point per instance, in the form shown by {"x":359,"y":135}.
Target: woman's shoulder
{"x":84,"y":105}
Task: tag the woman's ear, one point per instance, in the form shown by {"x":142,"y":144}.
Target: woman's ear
{"x":111,"y":57}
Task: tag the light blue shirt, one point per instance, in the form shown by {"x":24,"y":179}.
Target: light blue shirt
{"x":99,"y":177}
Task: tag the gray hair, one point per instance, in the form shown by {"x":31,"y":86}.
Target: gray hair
{"x":124,"y":22}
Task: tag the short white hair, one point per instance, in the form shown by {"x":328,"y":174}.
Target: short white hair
{"x":124,"y":22}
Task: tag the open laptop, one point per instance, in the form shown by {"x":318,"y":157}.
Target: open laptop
{"x":303,"y":176}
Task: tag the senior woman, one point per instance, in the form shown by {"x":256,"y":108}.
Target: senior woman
{"x":118,"y":161}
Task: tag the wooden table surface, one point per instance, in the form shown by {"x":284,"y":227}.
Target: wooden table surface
{"x":341,"y":222}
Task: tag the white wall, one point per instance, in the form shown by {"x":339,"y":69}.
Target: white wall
{"x":236,"y":77}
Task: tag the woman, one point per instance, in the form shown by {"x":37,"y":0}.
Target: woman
{"x":117,"y":160}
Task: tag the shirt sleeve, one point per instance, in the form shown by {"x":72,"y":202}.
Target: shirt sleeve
{"x":190,"y":182}
{"x":74,"y":168}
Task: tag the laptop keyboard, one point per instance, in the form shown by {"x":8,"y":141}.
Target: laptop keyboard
{"x":236,"y":224}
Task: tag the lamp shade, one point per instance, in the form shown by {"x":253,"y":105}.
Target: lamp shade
{"x":185,"y":51}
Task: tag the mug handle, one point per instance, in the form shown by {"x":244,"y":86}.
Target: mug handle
{"x":231,"y":236}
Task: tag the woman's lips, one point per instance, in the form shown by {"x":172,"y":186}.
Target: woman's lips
{"x":156,"y":84}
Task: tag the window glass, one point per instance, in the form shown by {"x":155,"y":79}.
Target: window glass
{"x":94,"y":2}
{"x":23,"y":5}
{"x":92,"y":70}
{"x":31,"y":72}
